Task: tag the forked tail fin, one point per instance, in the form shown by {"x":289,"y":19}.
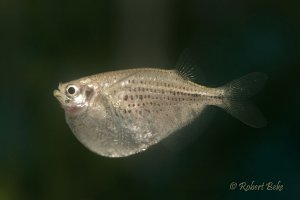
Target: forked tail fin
{"x":236,"y":94}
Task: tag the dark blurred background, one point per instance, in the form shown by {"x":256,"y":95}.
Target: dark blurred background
{"x":43,"y":42}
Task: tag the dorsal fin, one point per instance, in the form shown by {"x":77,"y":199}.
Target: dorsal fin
{"x":185,"y":66}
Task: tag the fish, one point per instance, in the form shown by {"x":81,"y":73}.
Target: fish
{"x":124,"y":112}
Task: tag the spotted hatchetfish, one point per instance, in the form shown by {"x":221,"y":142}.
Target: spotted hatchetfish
{"x":120,"y":113}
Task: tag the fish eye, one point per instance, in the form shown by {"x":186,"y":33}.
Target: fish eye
{"x":71,"y":90}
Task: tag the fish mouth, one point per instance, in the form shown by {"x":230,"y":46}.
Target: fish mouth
{"x":57,"y":94}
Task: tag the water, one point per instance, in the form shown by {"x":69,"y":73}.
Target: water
{"x":46,"y":42}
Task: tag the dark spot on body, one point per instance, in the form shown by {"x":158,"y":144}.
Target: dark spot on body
{"x":125,"y":97}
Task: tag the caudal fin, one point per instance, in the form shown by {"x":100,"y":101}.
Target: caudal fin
{"x":236,"y":94}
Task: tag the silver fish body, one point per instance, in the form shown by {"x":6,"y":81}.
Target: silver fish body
{"x":120,"y":113}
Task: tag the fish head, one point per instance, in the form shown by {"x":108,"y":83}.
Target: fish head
{"x":74,"y":96}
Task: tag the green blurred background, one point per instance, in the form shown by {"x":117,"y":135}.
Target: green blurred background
{"x":43,"y":42}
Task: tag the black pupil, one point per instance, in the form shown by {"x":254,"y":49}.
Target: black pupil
{"x":71,"y":90}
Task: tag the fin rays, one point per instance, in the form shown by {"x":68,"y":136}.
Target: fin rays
{"x":236,"y":101}
{"x":185,"y":66}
